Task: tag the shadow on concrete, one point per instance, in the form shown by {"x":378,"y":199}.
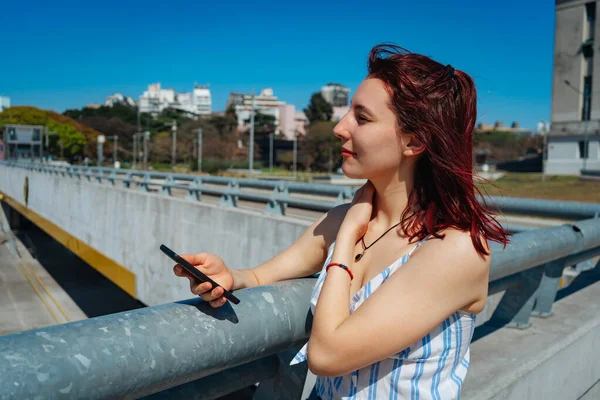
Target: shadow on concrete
{"x":583,"y":280}
{"x":95,"y":294}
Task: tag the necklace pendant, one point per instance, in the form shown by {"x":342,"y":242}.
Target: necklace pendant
{"x":358,"y":257}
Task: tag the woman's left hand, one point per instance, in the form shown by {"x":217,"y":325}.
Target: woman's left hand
{"x":357,"y":218}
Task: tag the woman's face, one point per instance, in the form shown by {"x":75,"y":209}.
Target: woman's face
{"x":371,"y":145}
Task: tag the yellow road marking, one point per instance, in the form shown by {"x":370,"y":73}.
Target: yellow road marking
{"x":30,"y":268}
{"x":115,"y":272}
{"x":38,"y":293}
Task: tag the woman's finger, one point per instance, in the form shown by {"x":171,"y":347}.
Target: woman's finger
{"x":199,"y":288}
{"x":213,"y":294}
{"x":218,"y":302}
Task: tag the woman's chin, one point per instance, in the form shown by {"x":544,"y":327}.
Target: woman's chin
{"x":351,"y":173}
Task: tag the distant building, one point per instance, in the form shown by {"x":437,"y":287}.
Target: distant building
{"x":288,"y":121}
{"x":335,"y":94}
{"x":22,"y":141}
{"x":155,"y":100}
{"x":499,"y":127}
{"x":4,"y":102}
{"x":339,"y":112}
{"x":291,"y":122}
{"x":574,"y":137}
{"x":118,"y":98}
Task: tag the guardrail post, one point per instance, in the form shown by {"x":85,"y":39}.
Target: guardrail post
{"x":143,"y":185}
{"x":517,"y":303}
{"x":165,"y":189}
{"x":111,"y":178}
{"x":127,"y":180}
{"x":549,"y":284}
{"x":229,"y":199}
{"x":275,"y":207}
{"x":234,"y":187}
{"x":288,"y":383}
{"x":279,"y":204}
{"x":195,"y":189}
{"x":99,"y":176}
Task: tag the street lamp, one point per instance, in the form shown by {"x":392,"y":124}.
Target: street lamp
{"x":100,"y":139}
{"x":543,"y":130}
{"x":251,"y":150}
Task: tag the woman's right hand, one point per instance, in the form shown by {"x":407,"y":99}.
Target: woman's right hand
{"x":213,"y":267}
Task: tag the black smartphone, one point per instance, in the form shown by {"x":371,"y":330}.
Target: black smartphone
{"x":196,"y":273}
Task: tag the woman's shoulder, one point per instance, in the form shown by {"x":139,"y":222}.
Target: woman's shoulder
{"x":458,"y":244}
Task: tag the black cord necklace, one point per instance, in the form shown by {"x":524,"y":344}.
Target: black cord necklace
{"x":365,"y":248}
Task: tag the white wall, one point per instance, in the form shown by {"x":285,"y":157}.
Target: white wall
{"x":128,"y":226}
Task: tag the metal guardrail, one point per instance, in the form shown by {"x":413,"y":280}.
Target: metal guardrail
{"x":175,"y":350}
{"x":231,"y":190}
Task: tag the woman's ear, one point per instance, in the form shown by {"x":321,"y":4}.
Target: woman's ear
{"x":412,"y":145}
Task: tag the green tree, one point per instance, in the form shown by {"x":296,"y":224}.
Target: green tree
{"x":74,"y":137}
{"x":318,"y":109}
{"x":264,"y":124}
{"x":320,"y":149}
{"x":69,"y":140}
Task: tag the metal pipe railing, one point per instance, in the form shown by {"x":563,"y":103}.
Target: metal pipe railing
{"x":281,"y":197}
{"x":137,"y":353}
{"x":150,"y":350}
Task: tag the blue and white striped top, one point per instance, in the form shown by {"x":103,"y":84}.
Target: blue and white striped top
{"x":432,"y":368}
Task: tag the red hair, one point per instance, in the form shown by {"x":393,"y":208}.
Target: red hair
{"x":438,"y":105}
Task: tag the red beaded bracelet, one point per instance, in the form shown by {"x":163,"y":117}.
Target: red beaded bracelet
{"x":333,"y":264}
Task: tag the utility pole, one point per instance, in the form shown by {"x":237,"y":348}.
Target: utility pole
{"x":251,"y":150}
{"x":199,"y":149}
{"x":271,"y":152}
{"x":295,"y":152}
{"x":174,"y":146}
{"x":146,"y":138}
{"x":135,"y":136}
{"x":115,"y":138}
{"x":133,"y":162}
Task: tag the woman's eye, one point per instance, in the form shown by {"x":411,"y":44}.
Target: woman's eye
{"x":362,"y":119}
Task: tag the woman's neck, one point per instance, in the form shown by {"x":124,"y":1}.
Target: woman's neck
{"x":390,"y":200}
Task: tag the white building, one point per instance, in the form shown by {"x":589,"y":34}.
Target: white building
{"x":118,"y":98}
{"x":573,"y":142}
{"x":4,"y":102}
{"x":265,"y":103}
{"x":335,"y":94}
{"x":288,"y":121}
{"x":155,"y":100}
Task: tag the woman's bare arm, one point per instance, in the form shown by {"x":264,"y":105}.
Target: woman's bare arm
{"x":303,"y":258}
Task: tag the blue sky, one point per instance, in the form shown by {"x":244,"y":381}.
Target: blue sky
{"x":64,"y":54}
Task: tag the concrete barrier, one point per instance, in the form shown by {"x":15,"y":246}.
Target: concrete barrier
{"x":119,"y":231}
{"x":555,"y":359}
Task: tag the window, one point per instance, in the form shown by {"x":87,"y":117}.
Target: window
{"x":587,"y":98}
{"x":583,"y":149}
{"x":12,"y":134}
{"x":36,"y":135}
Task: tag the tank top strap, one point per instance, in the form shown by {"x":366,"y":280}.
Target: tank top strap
{"x":426,"y":238}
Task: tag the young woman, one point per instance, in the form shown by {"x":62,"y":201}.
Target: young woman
{"x":405,"y":266}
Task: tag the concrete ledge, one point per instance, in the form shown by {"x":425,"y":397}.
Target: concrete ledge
{"x":555,"y":359}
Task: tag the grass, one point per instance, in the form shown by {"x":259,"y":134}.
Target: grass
{"x":530,"y":185}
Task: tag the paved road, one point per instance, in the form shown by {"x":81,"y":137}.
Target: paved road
{"x":29,"y":297}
